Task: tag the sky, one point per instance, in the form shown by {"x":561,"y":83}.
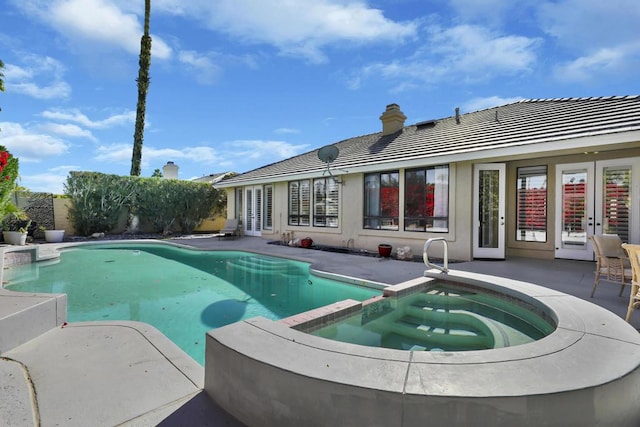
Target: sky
{"x":239,"y":84}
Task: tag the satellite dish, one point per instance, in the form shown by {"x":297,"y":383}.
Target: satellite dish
{"x":328,"y":153}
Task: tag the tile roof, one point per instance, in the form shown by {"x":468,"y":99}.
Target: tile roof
{"x":519,"y":124}
{"x":214,"y":177}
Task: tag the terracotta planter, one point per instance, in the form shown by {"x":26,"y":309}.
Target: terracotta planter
{"x":54,"y":236}
{"x":15,"y":237}
{"x":384,"y":250}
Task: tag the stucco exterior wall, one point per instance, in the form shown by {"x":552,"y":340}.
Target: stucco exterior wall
{"x":61,"y":215}
{"x":461,"y":206}
{"x":350,"y":231}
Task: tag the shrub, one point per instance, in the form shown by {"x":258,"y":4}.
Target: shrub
{"x":99,"y":201}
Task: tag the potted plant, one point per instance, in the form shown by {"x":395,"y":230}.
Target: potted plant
{"x":384,"y":250}
{"x":53,"y":236}
{"x":15,"y":226}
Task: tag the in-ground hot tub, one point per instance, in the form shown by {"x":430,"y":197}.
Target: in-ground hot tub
{"x":585,"y":372}
{"x":442,"y":316}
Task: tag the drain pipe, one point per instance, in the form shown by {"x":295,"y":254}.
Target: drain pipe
{"x":425,"y":255}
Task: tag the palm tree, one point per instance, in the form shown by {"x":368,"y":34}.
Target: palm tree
{"x":143,"y":86}
{"x":1,"y":76}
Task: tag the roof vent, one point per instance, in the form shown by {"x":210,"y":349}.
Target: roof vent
{"x":426,"y":124}
{"x":458,"y":115}
{"x":392,"y":119}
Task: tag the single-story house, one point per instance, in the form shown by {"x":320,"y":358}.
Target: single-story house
{"x":533,"y":178}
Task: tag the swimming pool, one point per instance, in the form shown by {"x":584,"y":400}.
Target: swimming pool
{"x":182,"y":292}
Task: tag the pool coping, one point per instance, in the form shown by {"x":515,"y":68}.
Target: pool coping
{"x":124,"y":372}
{"x":553,"y":374}
{"x":401,"y":404}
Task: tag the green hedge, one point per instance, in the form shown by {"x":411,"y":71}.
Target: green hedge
{"x":98,"y":201}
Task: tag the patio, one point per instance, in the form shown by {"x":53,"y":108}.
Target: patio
{"x":68,"y":402}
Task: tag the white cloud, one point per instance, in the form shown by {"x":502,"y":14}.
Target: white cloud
{"x":601,"y":39}
{"x":40,"y":77}
{"x":51,"y":181}
{"x":591,"y":25}
{"x":476,"y":50}
{"x":76,"y":116}
{"x":286,"y":131}
{"x":121,"y":154}
{"x":29,"y":145}
{"x":91,"y":24}
{"x":202,"y":154}
{"x":297,"y":27}
{"x":200,"y":66}
{"x":459,"y":54}
{"x":68,"y":130}
{"x":234,"y":156}
{"x":476,"y":104}
{"x":587,"y":67}
{"x":486,"y":11}
{"x":269,"y":151}
{"x":115,"y":153}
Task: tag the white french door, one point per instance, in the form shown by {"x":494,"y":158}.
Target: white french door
{"x":489,"y":210}
{"x":253,"y":211}
{"x":595,"y":198}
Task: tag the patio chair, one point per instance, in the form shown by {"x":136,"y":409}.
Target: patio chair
{"x":634,"y":257}
{"x":231,"y":229}
{"x":611,"y":261}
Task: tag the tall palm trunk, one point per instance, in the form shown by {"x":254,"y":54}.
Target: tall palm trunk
{"x":143,"y":87}
{"x":1,"y":76}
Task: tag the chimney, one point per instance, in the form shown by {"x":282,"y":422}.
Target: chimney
{"x":392,"y":119}
{"x":170,"y":171}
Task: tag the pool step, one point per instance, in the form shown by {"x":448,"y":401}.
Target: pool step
{"x":440,"y":333}
{"x":440,"y":319}
{"x":420,"y":327}
{"x":261,"y":265}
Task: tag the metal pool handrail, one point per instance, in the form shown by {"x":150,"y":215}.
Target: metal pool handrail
{"x":425,"y":254}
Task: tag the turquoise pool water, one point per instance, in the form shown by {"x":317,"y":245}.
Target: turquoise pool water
{"x":446,"y":317}
{"x":184,"y":293}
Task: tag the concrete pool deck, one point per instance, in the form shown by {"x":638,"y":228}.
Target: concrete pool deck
{"x":80,"y":380}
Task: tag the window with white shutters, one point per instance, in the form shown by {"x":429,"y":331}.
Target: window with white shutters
{"x":531,"y":210}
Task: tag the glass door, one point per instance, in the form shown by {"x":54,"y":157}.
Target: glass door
{"x":253,"y":210}
{"x":489,"y":211}
{"x":596,"y":198}
{"x":575,"y":210}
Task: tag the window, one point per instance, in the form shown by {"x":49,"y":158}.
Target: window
{"x":299,"y":202}
{"x":381,"y":201}
{"x":268,"y":207}
{"x":531,"y":206}
{"x":427,"y":199}
{"x":325,"y":202}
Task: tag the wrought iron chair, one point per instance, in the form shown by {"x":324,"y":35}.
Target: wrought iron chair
{"x":634,"y":257}
{"x":611,"y":261}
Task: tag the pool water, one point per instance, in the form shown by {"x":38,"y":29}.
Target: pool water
{"x":445,"y":317}
{"x":183,"y":293}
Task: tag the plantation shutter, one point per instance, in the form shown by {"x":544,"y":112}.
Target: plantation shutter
{"x":617,"y":200}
